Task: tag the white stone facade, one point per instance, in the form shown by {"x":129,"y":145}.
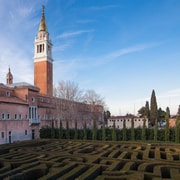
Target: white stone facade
{"x":119,"y":120}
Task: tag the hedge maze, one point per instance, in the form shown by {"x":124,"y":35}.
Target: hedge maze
{"x":65,"y":159}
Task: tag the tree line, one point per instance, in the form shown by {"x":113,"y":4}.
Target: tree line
{"x":113,"y":134}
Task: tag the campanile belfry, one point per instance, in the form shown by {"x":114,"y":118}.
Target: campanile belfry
{"x":43,"y":62}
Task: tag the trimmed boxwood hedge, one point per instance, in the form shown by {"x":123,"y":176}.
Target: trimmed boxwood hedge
{"x":46,"y":132}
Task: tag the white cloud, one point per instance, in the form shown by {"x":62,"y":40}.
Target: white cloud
{"x":97,"y":8}
{"x":129,"y":50}
{"x":74,"y":33}
{"x":97,"y":61}
{"x":85,"y":21}
{"x":62,"y":47}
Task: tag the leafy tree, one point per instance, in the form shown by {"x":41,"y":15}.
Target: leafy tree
{"x":132,"y":130}
{"x":144,"y":111}
{"x":94,"y":130}
{"x":153,"y":111}
{"x":167,"y":128}
{"x":114,"y":136}
{"x":161,"y":115}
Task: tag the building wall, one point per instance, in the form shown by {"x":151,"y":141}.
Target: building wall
{"x":13,"y":111}
{"x":138,"y":122}
{"x":16,"y":124}
{"x":19,"y":130}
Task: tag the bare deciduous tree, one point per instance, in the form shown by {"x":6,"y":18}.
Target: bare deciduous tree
{"x":68,"y":90}
{"x":91,"y":97}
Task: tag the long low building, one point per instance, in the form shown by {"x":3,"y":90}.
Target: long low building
{"x":127,"y":120}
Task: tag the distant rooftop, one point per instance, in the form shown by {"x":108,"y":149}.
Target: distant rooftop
{"x":23,"y":84}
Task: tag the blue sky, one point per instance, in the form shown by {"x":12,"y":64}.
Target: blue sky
{"x":122,"y":49}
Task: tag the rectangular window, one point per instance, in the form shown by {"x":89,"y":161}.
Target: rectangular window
{"x":2,"y":134}
{"x":25,"y":132}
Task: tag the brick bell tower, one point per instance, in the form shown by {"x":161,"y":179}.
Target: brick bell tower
{"x":43,"y":62}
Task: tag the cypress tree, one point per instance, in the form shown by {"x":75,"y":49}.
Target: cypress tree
{"x":124,"y":130}
{"x":178,"y":113}
{"x":85,"y":131}
{"x":177,"y":127}
{"x":132,"y":130}
{"x":168,"y":111}
{"x":114,"y":136}
{"x":154,"y":109}
{"x":67,"y":130}
{"x":76,"y":131}
{"x":147,"y":110}
{"x":60,"y":130}
{"x":103,"y":133}
{"x":143,"y":133}
{"x":167,"y":127}
{"x":155,"y":130}
{"x":52,"y":130}
{"x":94,"y":130}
